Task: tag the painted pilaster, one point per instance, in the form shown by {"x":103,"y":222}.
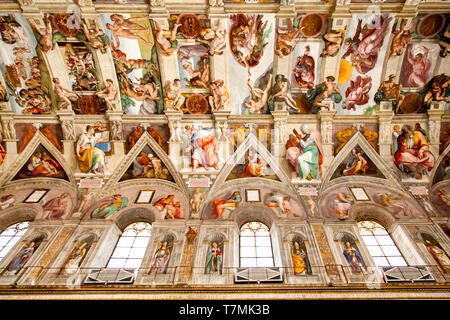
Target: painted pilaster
{"x":385,"y":115}
{"x":326,"y":131}
{"x":435,"y":114}
{"x":174,"y":122}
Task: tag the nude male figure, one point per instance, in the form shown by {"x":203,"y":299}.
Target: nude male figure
{"x":162,"y":37}
{"x":330,"y":88}
{"x":400,"y":40}
{"x":258,"y":97}
{"x":333,"y":43}
{"x":46,"y":40}
{"x":286,"y":41}
{"x":92,"y":37}
{"x":63,"y":95}
{"x":391,"y":90}
{"x":110,"y":94}
{"x":281,"y":92}
{"x":126,"y":28}
{"x":173,"y":94}
{"x":219,"y":97}
{"x":149,"y":89}
{"x":215,"y":40}
{"x":200,"y":76}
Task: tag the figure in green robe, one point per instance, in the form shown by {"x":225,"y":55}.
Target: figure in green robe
{"x":114,"y":204}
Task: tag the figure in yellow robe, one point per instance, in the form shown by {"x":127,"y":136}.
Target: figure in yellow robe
{"x":300,"y":260}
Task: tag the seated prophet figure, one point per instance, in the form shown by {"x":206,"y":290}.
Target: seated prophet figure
{"x":90,"y":158}
{"x":412,"y":156}
{"x":307,"y":157}
{"x":112,"y":205}
{"x":203,"y":149}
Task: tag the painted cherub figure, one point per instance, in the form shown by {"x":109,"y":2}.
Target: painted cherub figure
{"x":162,"y":37}
{"x":197,"y":200}
{"x":85,"y":198}
{"x":63,"y":95}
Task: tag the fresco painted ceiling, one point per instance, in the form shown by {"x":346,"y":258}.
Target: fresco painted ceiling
{"x":144,"y":80}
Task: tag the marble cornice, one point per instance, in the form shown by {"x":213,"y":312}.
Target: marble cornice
{"x":202,"y":8}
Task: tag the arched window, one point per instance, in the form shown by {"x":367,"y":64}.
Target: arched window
{"x":380,"y":245}
{"x":255,"y":245}
{"x":130,"y":248}
{"x":10,"y":236}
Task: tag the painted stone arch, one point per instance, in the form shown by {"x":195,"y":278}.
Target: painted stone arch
{"x":132,"y":190}
{"x":89,"y":236}
{"x":424,"y":235}
{"x":250,"y":142}
{"x":296,"y":235}
{"x":237,"y":190}
{"x":344,"y":236}
{"x":371,"y":212}
{"x":441,"y":171}
{"x":143,"y":141}
{"x":25,"y":193}
{"x":216,"y":236}
{"x":338,"y":200}
{"x":134,"y":215}
{"x":255,"y":213}
{"x":17,"y":215}
{"x":38,"y":141}
{"x":440,"y":198}
{"x":168,"y":236}
{"x":358,"y":140}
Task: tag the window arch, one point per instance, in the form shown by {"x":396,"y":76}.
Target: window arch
{"x":380,"y":245}
{"x":130,"y":249}
{"x":11,"y":235}
{"x":255,"y":245}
